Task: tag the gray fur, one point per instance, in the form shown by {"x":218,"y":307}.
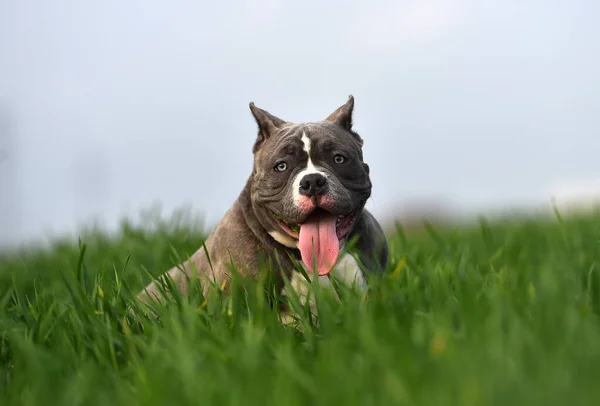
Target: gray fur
{"x":243,"y":232}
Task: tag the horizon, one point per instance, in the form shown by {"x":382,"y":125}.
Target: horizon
{"x":109,"y":108}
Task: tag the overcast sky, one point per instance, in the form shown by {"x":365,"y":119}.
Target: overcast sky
{"x":116,"y":105}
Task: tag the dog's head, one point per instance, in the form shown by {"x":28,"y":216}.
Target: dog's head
{"x":310,"y":183}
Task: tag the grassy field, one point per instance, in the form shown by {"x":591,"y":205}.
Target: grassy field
{"x":494,"y":314}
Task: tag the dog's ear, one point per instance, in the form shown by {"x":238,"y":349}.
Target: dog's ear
{"x":268,"y":124}
{"x":343,"y":115}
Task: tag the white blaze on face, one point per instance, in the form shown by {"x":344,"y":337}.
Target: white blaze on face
{"x":310,"y":168}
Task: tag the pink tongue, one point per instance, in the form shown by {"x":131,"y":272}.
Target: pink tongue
{"x":318,"y":242}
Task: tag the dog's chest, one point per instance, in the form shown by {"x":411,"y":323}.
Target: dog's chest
{"x":346,"y":271}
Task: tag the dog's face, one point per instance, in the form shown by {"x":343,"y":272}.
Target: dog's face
{"x":310,"y":182}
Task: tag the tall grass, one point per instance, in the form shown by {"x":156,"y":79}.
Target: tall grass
{"x":502,"y":313}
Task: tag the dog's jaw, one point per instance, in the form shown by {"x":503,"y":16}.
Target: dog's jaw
{"x":320,"y":238}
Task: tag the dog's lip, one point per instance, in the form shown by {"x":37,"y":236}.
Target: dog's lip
{"x":344,"y":223}
{"x":285,"y":227}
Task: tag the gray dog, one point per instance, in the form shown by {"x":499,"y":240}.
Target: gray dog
{"x":302,"y":203}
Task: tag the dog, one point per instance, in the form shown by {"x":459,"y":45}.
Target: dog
{"x":303,"y":201}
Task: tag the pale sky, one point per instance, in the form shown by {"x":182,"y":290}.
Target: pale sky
{"x":115,"y":106}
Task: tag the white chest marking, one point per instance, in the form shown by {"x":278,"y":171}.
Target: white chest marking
{"x":346,"y":271}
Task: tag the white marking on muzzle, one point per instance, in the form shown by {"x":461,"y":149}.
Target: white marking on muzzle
{"x":284,"y":239}
{"x":310,"y":168}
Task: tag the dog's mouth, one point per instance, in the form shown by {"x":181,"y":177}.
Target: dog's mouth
{"x":320,"y":237}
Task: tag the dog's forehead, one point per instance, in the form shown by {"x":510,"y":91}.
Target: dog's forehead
{"x":298,"y":135}
{"x":325,"y":132}
{"x":289,"y":136}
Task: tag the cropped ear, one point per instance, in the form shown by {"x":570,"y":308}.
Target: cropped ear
{"x":343,"y":115}
{"x":268,"y":124}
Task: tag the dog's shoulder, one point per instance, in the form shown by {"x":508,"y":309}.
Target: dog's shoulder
{"x":371,"y":243}
{"x":234,"y":242}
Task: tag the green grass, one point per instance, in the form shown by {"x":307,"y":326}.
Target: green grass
{"x":502,"y":314}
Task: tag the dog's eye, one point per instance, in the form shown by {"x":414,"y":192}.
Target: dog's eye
{"x":280,"y":167}
{"x":339,"y":159}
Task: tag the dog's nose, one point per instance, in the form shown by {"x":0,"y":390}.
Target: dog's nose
{"x":313,"y":184}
